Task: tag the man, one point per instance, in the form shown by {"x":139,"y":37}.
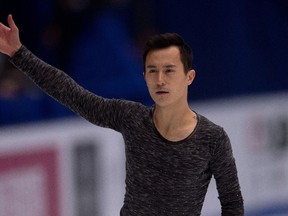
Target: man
{"x":171,"y":151}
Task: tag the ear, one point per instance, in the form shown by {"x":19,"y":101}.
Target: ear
{"x":191,"y":76}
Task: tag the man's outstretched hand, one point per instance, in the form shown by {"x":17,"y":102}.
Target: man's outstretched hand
{"x":9,"y":37}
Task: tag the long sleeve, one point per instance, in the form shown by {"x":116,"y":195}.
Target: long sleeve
{"x":225,"y":173}
{"x":64,"y":89}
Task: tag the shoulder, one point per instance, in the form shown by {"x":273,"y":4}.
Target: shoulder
{"x":129,"y":106}
{"x":129,"y":109}
{"x":209,"y":132}
{"x":212,"y":134}
{"x":208,"y":127}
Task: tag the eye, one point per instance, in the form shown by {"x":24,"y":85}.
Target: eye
{"x":152,"y":71}
{"x":169,"y":70}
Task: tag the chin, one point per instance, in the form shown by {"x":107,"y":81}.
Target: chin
{"x":162,"y":104}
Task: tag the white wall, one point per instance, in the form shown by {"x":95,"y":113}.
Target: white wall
{"x":63,"y":136}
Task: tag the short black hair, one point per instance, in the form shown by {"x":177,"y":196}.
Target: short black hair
{"x":166,"y":40}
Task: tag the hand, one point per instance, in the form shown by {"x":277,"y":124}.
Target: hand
{"x":9,"y":37}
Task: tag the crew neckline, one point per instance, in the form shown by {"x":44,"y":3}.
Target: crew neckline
{"x":178,"y":141}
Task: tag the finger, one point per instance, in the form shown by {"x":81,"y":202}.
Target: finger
{"x":11,"y":22}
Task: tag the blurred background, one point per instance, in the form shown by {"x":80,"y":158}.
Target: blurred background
{"x":241,"y":62}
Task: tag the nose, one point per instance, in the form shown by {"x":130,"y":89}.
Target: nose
{"x":160,"y":78}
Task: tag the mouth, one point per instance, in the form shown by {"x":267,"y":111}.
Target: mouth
{"x":161,"y":92}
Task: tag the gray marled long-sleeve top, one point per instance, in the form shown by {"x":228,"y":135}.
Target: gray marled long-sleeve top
{"x":162,"y":177}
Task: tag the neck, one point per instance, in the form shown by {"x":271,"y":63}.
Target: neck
{"x":175,"y":124}
{"x":167,"y":118}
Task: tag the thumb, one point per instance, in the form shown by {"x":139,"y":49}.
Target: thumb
{"x":11,"y":22}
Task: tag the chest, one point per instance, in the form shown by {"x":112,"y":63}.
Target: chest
{"x":147,"y":150}
{"x":156,"y":155}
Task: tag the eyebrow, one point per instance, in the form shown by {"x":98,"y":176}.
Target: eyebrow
{"x":170,"y":66}
{"x":150,"y":66}
{"x":165,"y":66}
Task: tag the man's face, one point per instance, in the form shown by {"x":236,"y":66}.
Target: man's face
{"x":165,"y":77}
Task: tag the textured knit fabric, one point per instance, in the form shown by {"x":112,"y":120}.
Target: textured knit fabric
{"x":162,"y":177}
